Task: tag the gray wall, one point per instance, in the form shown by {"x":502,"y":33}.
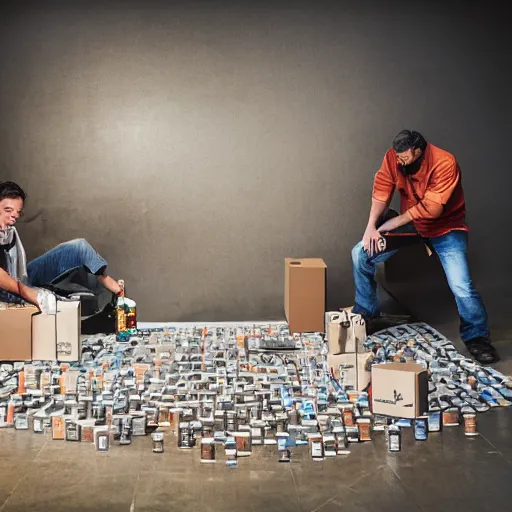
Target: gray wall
{"x":196,"y":145}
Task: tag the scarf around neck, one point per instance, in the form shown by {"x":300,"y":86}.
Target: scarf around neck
{"x":15,"y":255}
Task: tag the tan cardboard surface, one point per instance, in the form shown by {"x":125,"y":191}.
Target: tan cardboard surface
{"x":16,"y":333}
{"x":57,"y":337}
{"x":304,"y":294}
{"x":352,"y":373}
{"x":341,"y":339}
{"x":399,"y":390}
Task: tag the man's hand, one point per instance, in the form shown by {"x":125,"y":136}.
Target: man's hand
{"x":373,"y":242}
{"x":29,"y":294}
{"x":116,"y":287}
{"x":45,"y":300}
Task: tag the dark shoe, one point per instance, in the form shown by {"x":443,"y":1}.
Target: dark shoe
{"x":482,"y":350}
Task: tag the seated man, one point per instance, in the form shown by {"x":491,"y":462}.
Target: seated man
{"x":432,"y":211}
{"x":19,"y":280}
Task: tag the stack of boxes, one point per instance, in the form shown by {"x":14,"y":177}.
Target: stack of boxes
{"x":348,"y":357}
{"x":304,"y":305}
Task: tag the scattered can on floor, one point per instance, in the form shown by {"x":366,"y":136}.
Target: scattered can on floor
{"x":102,"y":440}
{"x":73,"y":431}
{"x":470,"y":424}
{"x":394,"y":438}
{"x":21,"y":421}
{"x":434,"y":421}
{"x":208,"y":450}
{"x":285,"y":455}
{"x":451,"y":417}
{"x":364,"y":426}
{"x":421,"y":428}
{"x":158,"y":442}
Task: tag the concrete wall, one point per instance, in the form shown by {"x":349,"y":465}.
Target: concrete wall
{"x":197,"y":144}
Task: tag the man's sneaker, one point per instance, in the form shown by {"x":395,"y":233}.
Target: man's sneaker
{"x":482,"y":350}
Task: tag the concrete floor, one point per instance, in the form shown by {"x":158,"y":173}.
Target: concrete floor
{"x":448,"y":472}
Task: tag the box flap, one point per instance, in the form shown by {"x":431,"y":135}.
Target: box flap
{"x":400,"y":367}
{"x":306,"y":262}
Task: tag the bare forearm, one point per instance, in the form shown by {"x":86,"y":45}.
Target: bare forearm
{"x":12,"y":286}
{"x":377,"y":209}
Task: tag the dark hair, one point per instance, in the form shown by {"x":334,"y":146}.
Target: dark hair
{"x":11,"y":190}
{"x":408,"y":139}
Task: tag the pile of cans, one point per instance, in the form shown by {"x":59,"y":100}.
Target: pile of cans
{"x":226,"y":390}
{"x":459,"y":388}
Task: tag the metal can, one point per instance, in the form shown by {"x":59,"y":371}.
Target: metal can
{"x":185,"y":436}
{"x":88,"y":434}
{"x":451,"y":417}
{"x":421,"y":428}
{"x":158,"y":442}
{"x":364,"y":426}
{"x":38,"y":425}
{"x":394,"y":438}
{"x":73,"y":431}
{"x":126,"y":431}
{"x":21,"y":421}
{"x":470,"y":424}
{"x":348,"y":416}
{"x":208,"y":450}
{"x":139,"y":426}
{"x":285,"y":455}
{"x":434,"y":421}
{"x":102,"y":440}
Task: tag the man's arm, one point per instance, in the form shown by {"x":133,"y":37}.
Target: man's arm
{"x":395,"y":222}
{"x":11,"y":285}
{"x":383,"y":189}
{"x":443,"y":182}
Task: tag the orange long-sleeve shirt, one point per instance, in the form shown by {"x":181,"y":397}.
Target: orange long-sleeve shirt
{"x":433,"y":196}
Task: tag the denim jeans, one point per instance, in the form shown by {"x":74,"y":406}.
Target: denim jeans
{"x":67,"y":256}
{"x":76,"y":253}
{"x":452,"y":251}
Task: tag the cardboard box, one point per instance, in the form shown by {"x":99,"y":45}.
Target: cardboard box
{"x":16,"y":332}
{"x":304,"y":294}
{"x":350,"y":369}
{"x":57,"y":337}
{"x":399,"y":390}
{"x":345,"y":332}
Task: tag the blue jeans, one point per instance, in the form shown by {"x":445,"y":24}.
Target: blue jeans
{"x":67,"y":256}
{"x":452,"y":251}
{"x":76,"y":253}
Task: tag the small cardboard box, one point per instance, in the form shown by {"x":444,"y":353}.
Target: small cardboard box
{"x":57,"y":337}
{"x":350,"y":369}
{"x":304,"y":294}
{"x":345,"y":332}
{"x":16,"y":332}
{"x":399,"y":390}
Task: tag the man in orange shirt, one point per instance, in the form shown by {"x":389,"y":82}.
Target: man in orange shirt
{"x":433,"y":211}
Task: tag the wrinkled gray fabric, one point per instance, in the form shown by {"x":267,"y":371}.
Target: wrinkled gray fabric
{"x":16,"y":257}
